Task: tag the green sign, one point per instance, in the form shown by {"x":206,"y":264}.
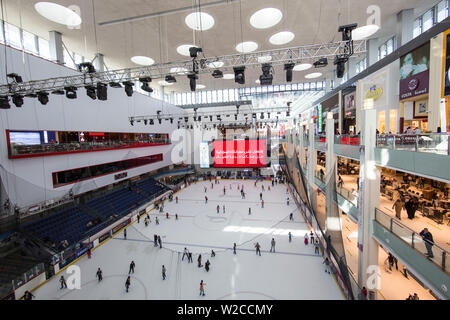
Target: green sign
{"x":319,"y":116}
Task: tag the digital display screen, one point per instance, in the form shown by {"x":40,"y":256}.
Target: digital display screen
{"x":25,"y":138}
{"x":204,"y":155}
{"x":240,"y":154}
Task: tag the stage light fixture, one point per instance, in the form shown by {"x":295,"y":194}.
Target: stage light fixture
{"x":262,"y":116}
{"x":347,"y":31}
{"x":152,"y":122}
{"x":192,"y":81}
{"x":43,"y":97}
{"x":268,"y":115}
{"x":160,"y":121}
{"x":217,"y":74}
{"x":193,"y":51}
{"x":132,"y":122}
{"x":170,"y":79}
{"x":15,"y":77}
{"x":339,"y":62}
{"x":128,"y":88}
{"x":4,"y":102}
{"x":171,"y":120}
{"x":322,"y":62}
{"x":17,"y":100}
{"x":145,"y":122}
{"x":90,"y":92}
{"x":186,"y":119}
{"x":288,"y":67}
{"x":239,"y":74}
{"x":145,"y":84}
{"x":102,"y":91}
{"x":86,"y":67}
{"x":266,"y":78}
{"x":71,"y":92}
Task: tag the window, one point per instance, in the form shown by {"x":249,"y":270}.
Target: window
{"x":386,"y":48}
{"x":13,"y":36}
{"x":417,"y":27}
{"x":44,"y":49}
{"x":427,"y":20}
{"x":1,"y":32}
{"x":29,"y":42}
{"x":442,"y":10}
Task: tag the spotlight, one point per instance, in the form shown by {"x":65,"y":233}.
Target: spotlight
{"x":90,"y":92}
{"x":160,"y":121}
{"x":210,"y":118}
{"x":267,"y":77}
{"x":102,"y":91}
{"x":239,"y":75}
{"x":262,"y":116}
{"x":322,"y":62}
{"x":347,"y":31}
{"x":193,"y":51}
{"x":288,"y":113}
{"x":145,"y":81}
{"x":15,"y":76}
{"x":268,"y":115}
{"x":192,"y":81}
{"x":339,"y":62}
{"x":86,"y":67}
{"x":171,"y":120}
{"x":186,"y":119}
{"x":4,"y":102}
{"x":152,"y":122}
{"x":217,"y":74}
{"x":43,"y":97}
{"x":145,"y":122}
{"x":128,"y":88}
{"x":170,"y":79}
{"x":17,"y":100}
{"x":58,"y":92}
{"x":71,"y":92}
{"x":113,"y":84}
{"x":289,"y":67}
{"x":132,"y":122}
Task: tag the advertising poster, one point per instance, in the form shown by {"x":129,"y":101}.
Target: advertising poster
{"x":414,"y":72}
{"x":204,"y":155}
{"x":240,"y":154}
{"x":447,"y":66}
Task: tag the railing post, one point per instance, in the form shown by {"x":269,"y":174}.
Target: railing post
{"x":393,"y":143}
{"x":444,"y":255}
{"x":417,"y":143}
{"x":412,"y":240}
{"x":390,"y":226}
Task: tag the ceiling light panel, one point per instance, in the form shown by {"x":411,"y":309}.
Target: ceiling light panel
{"x":58,"y":13}
{"x":281,"y":38}
{"x":266,"y":18}
{"x":199,"y":21}
{"x":246,"y":47}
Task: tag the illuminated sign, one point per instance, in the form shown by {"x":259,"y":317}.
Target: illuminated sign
{"x":374,"y":93}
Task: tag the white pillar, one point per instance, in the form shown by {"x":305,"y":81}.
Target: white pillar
{"x":312,"y":160}
{"x":372,"y":51}
{"x":56,"y":47}
{"x":369,"y":199}
{"x":99,"y":62}
{"x":330,"y":164}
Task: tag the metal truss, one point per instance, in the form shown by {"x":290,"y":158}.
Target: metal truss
{"x":309,"y":53}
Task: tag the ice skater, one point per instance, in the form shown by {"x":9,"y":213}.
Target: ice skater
{"x":213,"y":254}
{"x":260,"y":196}
{"x":290,"y":236}
{"x":206,"y":199}
{"x":224,"y":191}
{"x":176,"y":199}
{"x":167,"y":215}
{"x":125,"y":234}
{"x":249,"y":211}
{"x":272,"y":245}
{"x":160,"y":242}
{"x":306,"y":239}
{"x":155,"y":240}
{"x":145,"y":222}
{"x":63,"y":282}
{"x":138,"y":218}
{"x":316,"y":247}
{"x":287,"y":201}
{"x":311,"y":237}
{"x":132,"y":265}
{"x":291,"y":216}
{"x":164,"y":272}
{"x":99,"y":274}
{"x":258,"y":249}
{"x":327,"y":265}
{"x":176,"y":216}
{"x":156,"y":220}
{"x":128,"y":283}
{"x":262,"y":204}
{"x":199,"y":261}
{"x":207,"y":265}
{"x":89,"y":252}
{"x":202,"y":288}
{"x":218,"y":209}
{"x":205,"y":189}
{"x":190,"y":257}
{"x":234,"y":248}
{"x":185,"y":253}
{"x":223,"y":208}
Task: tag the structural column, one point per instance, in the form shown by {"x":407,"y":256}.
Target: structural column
{"x":405,"y":26}
{"x":369,"y":199}
{"x":311,"y":164}
{"x":99,"y":62}
{"x":56,"y":47}
{"x":330,"y":168}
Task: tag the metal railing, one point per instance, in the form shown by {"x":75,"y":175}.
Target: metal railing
{"x":431,"y":143}
{"x":348,"y":139}
{"x":413,"y":239}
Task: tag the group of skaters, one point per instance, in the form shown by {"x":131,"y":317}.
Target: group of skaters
{"x":188,"y":254}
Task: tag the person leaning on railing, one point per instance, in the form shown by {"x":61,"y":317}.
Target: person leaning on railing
{"x":428,"y":239}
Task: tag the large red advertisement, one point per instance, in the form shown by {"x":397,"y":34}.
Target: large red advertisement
{"x":240,"y":154}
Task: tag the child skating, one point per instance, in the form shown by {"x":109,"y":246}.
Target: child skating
{"x":202,"y":288}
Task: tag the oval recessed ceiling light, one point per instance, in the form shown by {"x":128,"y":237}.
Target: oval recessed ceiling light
{"x":199,"y":21}
{"x":184,"y":49}
{"x":164,"y":83}
{"x":364,"y":32}
{"x":246,"y":47}
{"x":266,"y":18}
{"x":228,"y":76}
{"x":58,"y":13}
{"x":282,"y":37}
{"x":313,"y":75}
{"x":215,"y":64}
{"x":200,"y":86}
{"x":302,"y":67}
{"x":264,"y":59}
{"x":143,"y":61}
{"x":178,"y":70}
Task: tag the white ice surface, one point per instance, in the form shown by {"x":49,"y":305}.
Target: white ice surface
{"x":293,"y":272}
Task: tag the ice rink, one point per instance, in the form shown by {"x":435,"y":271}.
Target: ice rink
{"x":293,"y":272}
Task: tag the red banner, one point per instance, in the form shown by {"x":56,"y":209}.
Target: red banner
{"x":240,"y":154}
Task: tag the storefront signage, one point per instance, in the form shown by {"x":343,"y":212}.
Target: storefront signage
{"x":374,"y":93}
{"x":320,"y":116}
{"x":414,"y":72}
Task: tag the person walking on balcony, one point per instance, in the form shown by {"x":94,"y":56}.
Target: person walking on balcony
{"x":429,"y":242}
{"x":398,"y":206}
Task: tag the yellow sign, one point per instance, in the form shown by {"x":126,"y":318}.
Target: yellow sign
{"x":374,"y":93}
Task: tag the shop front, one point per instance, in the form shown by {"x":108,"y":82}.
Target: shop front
{"x":414,"y":89}
{"x":330,"y":105}
{"x":349,"y":111}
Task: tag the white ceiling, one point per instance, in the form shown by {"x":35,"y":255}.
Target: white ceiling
{"x":312,"y":22}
